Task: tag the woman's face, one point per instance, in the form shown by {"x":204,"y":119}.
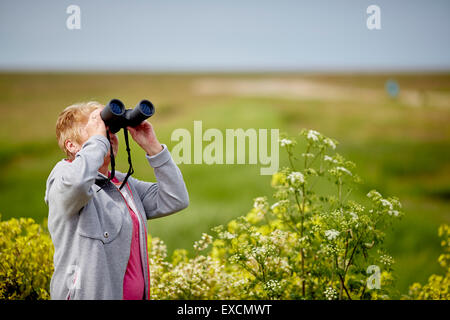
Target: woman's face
{"x":74,"y":146}
{"x":114,"y":143}
{"x":113,"y":140}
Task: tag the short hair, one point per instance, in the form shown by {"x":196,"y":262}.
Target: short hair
{"x":70,"y":122}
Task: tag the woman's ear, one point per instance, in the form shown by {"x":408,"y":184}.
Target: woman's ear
{"x":72,"y":147}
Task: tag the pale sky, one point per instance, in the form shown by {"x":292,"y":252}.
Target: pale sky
{"x":219,"y":35}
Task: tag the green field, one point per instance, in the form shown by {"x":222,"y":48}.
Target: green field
{"x":401,"y":146}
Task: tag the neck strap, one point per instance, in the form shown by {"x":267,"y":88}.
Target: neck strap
{"x":130,"y":165}
{"x":113,"y":162}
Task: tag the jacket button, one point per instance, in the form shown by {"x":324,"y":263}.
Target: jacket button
{"x":106,"y":234}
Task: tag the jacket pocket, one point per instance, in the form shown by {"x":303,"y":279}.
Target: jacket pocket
{"x":101,"y":221}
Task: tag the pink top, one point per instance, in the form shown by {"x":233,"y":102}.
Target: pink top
{"x":133,"y":281}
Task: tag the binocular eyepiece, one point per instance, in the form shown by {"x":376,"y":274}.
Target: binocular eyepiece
{"x":117,"y":117}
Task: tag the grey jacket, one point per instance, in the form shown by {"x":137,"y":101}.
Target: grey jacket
{"x":91,"y":230}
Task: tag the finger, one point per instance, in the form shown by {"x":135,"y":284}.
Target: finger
{"x":143,"y":124}
{"x":146,"y":124}
{"x":113,"y":138}
{"x":95,"y":115}
{"x":139,"y":126}
{"x":131,"y":130}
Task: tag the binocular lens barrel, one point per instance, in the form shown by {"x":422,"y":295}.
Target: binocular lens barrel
{"x":146,"y":108}
{"x":116,"y":107}
{"x":116,"y":116}
{"x":112,"y":115}
{"x":141,"y":112}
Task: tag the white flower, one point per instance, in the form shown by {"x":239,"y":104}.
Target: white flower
{"x":308,"y":155}
{"x":342,"y":169}
{"x":373,"y":194}
{"x":296,"y":178}
{"x":276,"y":204}
{"x":313,"y":135}
{"x":393,"y":212}
{"x":273,"y":287}
{"x":259,"y":251}
{"x":260,"y":203}
{"x":327,"y":250}
{"x":329,"y":159}
{"x":354,"y":216}
{"x":330,"y":293}
{"x":386,"y":203}
{"x":331,"y":234}
{"x":285,"y":142}
{"x":227,"y":235}
{"x":203,"y":243}
{"x":240,"y":283}
{"x":303,"y":240}
{"x":234,"y":258}
{"x":386,"y":260}
{"x":279,"y":237}
{"x":329,"y":143}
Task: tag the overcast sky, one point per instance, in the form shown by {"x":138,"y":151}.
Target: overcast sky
{"x":211,"y":35}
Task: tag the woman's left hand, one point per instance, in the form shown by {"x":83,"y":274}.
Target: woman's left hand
{"x":145,"y":137}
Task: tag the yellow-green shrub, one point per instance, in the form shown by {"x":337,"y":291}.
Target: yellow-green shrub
{"x":438,"y":286}
{"x":26,"y":264}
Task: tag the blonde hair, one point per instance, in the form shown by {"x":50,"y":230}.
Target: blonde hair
{"x":70,"y":122}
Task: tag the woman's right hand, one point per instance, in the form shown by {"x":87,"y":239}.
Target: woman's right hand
{"x":95,"y":124}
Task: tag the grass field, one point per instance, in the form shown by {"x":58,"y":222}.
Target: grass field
{"x":401,"y":146}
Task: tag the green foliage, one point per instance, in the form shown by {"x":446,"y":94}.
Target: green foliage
{"x":26,"y":264}
{"x":306,"y":245}
{"x":438,"y":286}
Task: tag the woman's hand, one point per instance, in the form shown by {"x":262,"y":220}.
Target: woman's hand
{"x":145,"y":137}
{"x":95,"y":124}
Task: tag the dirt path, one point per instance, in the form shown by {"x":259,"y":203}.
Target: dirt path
{"x":305,"y":89}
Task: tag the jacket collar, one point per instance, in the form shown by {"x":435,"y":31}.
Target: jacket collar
{"x":101,"y":179}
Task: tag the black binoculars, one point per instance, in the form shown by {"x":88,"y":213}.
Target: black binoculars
{"x":117,"y":117}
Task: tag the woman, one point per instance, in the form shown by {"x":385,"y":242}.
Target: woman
{"x":99,"y":231}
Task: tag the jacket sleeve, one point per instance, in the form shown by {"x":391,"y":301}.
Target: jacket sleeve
{"x":169,"y":194}
{"x":70,"y":185}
